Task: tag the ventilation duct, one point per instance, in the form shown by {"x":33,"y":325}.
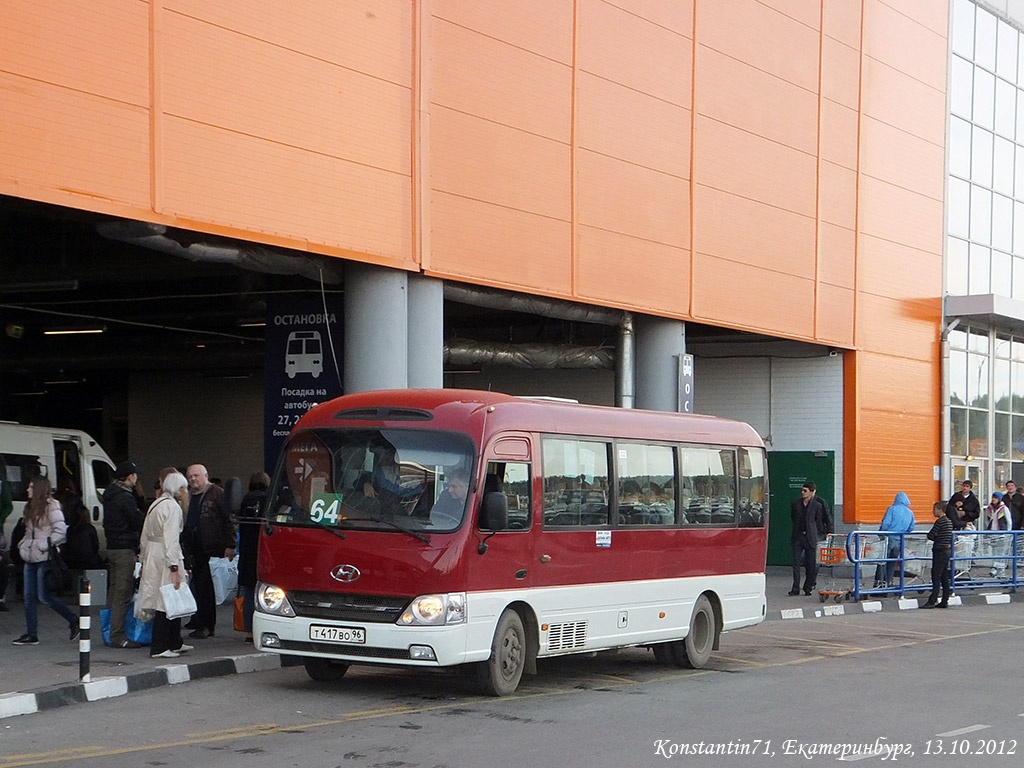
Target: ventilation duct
{"x":466,"y":352}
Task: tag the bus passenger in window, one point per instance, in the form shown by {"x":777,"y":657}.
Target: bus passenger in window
{"x":447,"y":510}
{"x":386,"y":485}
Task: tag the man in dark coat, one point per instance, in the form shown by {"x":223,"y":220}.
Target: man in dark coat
{"x":963,"y":507}
{"x":811,"y":522}
{"x":1015,"y":501}
{"x":209,"y":532}
{"x":122,"y":526}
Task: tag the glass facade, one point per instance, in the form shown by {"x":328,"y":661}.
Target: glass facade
{"x":985,"y":242}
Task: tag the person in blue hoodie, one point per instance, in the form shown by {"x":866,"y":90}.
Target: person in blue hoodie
{"x":899,"y":518}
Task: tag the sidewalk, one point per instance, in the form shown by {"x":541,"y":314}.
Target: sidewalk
{"x":34,"y":678}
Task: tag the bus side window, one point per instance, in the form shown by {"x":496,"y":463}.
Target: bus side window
{"x":709,"y":486}
{"x":752,"y":496}
{"x":511,"y":478}
{"x":575,"y":483}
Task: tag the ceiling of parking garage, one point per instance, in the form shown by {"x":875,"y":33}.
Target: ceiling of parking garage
{"x":158,"y":311}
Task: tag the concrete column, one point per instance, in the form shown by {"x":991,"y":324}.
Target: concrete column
{"x":659,"y":342}
{"x":376,"y":328}
{"x":426,"y":332}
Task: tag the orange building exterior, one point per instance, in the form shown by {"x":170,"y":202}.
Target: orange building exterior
{"x":775,"y":166}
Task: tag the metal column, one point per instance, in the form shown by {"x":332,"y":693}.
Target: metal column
{"x":659,"y":343}
{"x":376,"y":328}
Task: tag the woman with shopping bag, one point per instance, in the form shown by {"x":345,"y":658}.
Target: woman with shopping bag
{"x":163,"y":564}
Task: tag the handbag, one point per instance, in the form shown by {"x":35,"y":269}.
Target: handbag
{"x":240,"y":614}
{"x":178,"y":603}
{"x":53,"y":579}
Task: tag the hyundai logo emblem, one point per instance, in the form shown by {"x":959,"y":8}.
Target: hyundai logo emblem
{"x":345,"y":573}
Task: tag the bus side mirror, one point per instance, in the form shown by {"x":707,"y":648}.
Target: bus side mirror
{"x":493,"y":516}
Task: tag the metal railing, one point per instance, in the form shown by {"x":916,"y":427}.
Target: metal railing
{"x":979,"y":560}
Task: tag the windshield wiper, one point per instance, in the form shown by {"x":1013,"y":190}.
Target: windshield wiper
{"x":386,"y":521}
{"x":335,"y":531}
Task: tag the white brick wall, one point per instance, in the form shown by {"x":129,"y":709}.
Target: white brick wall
{"x":795,"y":403}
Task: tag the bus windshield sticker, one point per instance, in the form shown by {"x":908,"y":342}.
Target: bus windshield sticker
{"x":603,"y":538}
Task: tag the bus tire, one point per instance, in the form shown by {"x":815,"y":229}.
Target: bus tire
{"x":324,"y":671}
{"x":500,"y":674}
{"x":700,"y":640}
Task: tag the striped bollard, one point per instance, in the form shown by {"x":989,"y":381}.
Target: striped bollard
{"x":84,"y":627}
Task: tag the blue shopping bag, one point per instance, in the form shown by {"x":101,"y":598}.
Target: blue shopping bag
{"x":138,"y":631}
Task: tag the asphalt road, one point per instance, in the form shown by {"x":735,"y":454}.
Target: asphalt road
{"x":911,"y":688}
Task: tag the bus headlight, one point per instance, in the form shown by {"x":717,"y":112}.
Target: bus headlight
{"x":435,"y":610}
{"x":271,"y":599}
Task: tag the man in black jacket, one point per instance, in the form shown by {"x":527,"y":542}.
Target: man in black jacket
{"x":963,"y":507}
{"x":1015,"y":501}
{"x":209,"y":532}
{"x":811,"y":522}
{"x":122,"y":525}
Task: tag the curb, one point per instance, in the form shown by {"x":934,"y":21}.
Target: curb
{"x":64,"y":694}
{"x":890,"y":604}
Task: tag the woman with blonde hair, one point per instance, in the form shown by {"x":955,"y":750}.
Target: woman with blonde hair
{"x":162,"y":563}
{"x":44,"y":528}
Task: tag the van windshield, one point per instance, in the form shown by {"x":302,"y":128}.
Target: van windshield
{"x":373,"y":479}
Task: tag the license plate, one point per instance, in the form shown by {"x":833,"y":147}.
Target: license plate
{"x":353,"y":635}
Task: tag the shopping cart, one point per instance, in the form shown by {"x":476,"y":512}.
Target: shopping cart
{"x":831,"y":554}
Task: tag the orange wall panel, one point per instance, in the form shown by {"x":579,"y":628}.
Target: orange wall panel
{"x":96,"y":48}
{"x":841,"y":21}
{"x":840,"y":73}
{"x":95,"y":154}
{"x":657,"y":60}
{"x":764,"y":37}
{"x":540,"y":26}
{"x":371,"y":36}
{"x":283,"y":96}
{"x":835,"y":314}
{"x":632,"y":126}
{"x":290,"y":190}
{"x":729,"y":293}
{"x":837,"y":251}
{"x":893,"y":213}
{"x":900,"y":327}
{"x":897,"y":99}
{"x":496,"y":245}
{"x":893,"y":269}
{"x":494,"y":80}
{"x":610,"y":189}
{"x":753,"y":100}
{"x":902,"y":159}
{"x":910,"y":44}
{"x":839,"y":129}
{"x":617,"y":269}
{"x":896,"y":383}
{"x":837,"y":203}
{"x":671,"y":14}
{"x":750,"y":232}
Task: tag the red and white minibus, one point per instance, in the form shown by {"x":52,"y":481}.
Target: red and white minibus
{"x":433,"y":528}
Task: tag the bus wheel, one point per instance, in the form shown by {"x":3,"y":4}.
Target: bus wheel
{"x":700,"y":640}
{"x":324,"y":671}
{"x":500,"y":674}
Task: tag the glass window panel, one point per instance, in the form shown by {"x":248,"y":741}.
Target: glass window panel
{"x":985,"y":39}
{"x":1006,"y":108}
{"x":1002,"y":346}
{"x":1020,"y":116}
{"x":646,"y":483}
{"x":980,"y":267}
{"x":977,"y":433}
{"x":981,"y":157}
{"x":957,"y":377}
{"x":1017,"y":353}
{"x":958,"y":431}
{"x":977,"y":341}
{"x":753,"y":503}
{"x":1018,"y":228}
{"x":958,"y":338}
{"x":1002,"y":166}
{"x":984,"y":98}
{"x":1017,"y":438}
{"x":1001,"y":385}
{"x":1002,"y":470}
{"x":1006,"y":51}
{"x":1002,"y":225}
{"x":708,"y":486}
{"x":981,"y":215}
{"x":959,"y":147}
{"x":961,"y":87}
{"x":575,"y":482}
{"x":1018,"y":278}
{"x":959,"y":208}
{"x":962,"y":32}
{"x":1018,"y":174}
{"x":1017,"y":384}
{"x":1002,"y":275}
{"x":1002,"y":437}
{"x":977,"y":381}
{"x":956,"y":266}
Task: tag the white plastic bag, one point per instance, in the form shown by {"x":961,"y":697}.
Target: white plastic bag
{"x":225,"y":578}
{"x":178,"y":603}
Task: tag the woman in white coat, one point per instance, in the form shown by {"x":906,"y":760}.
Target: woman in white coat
{"x":44,"y":528}
{"x":162,"y":563}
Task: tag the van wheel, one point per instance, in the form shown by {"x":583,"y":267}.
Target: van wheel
{"x":700,"y":640}
{"x":324,"y":671}
{"x":500,"y":674}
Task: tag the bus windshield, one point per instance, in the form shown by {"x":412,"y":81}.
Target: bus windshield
{"x":374,"y":479}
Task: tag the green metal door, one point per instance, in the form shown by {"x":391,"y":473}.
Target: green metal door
{"x":787,"y":471}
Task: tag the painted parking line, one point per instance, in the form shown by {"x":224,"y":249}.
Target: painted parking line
{"x":962,"y":731}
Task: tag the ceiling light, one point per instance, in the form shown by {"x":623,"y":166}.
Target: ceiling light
{"x":71,"y":331}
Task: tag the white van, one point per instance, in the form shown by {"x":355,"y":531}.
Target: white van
{"x":59,"y":454}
